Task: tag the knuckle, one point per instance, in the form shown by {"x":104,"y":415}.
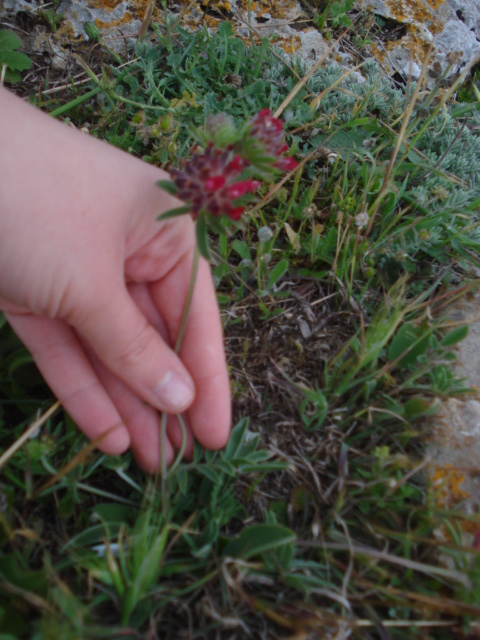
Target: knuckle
{"x":136,"y":350}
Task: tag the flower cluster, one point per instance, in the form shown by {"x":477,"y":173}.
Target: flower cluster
{"x":212,"y":182}
{"x":208,"y":182}
{"x":267,"y":132}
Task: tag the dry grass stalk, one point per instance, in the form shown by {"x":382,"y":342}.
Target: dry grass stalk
{"x":28,"y":434}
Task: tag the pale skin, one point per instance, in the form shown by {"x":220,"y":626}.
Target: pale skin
{"x":95,"y":287}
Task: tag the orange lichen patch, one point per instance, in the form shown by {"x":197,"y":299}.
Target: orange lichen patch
{"x":447,"y":483}
{"x":409,"y":10}
{"x":290,"y":45}
{"x":276,"y":9}
{"x":216,"y":5}
{"x":435,"y":3}
{"x":416,"y":43}
{"x":414,"y":40}
{"x":115,"y":23}
{"x":65,"y":31}
{"x":211,"y":22}
{"x":137,"y":9}
{"x":109,"y":5}
{"x":378,"y":53}
{"x":448,"y":489}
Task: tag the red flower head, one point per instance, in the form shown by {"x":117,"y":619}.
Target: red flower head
{"x":268,"y":132}
{"x":207,"y":182}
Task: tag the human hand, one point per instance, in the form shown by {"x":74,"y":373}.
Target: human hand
{"x":95,"y":287}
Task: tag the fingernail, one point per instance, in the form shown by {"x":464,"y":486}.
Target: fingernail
{"x":173,"y":392}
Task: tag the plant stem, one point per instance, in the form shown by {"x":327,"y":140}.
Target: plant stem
{"x":178,"y":346}
{"x":188,"y":301}
{"x":75,"y":102}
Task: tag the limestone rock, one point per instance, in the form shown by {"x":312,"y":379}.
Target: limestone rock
{"x":455,"y":444}
{"x":452,"y":26}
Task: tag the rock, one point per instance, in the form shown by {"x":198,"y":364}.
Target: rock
{"x":468,"y":12}
{"x":452,"y":26}
{"x":43,"y":42}
{"x":117,"y":23}
{"x":455,"y":445}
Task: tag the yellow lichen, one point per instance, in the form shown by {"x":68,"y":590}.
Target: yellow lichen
{"x":137,"y":9}
{"x":114,"y":23}
{"x":290,"y":45}
{"x":65,"y":31}
{"x":416,"y":43}
{"x":276,"y":9}
{"x":435,"y":3}
{"x":406,"y":11}
{"x":216,"y":5}
{"x":447,"y":483}
{"x":109,"y":5}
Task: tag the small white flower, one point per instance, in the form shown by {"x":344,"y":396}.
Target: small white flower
{"x":265,"y":234}
{"x":331,"y":157}
{"x":361,"y":220}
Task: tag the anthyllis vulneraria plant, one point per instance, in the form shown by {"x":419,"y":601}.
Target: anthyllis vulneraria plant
{"x":218,"y":181}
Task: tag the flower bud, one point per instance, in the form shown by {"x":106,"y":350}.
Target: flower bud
{"x":92,"y":31}
{"x":265,"y":234}
{"x":221,"y":130}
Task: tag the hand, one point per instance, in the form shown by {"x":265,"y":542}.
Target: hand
{"x":95,"y":287}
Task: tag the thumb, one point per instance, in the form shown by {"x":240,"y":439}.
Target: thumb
{"x":133,"y":350}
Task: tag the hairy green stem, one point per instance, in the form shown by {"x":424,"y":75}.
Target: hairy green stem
{"x":178,"y":346}
{"x":75,"y":102}
{"x":188,"y":301}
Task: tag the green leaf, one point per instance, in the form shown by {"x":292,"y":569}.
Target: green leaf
{"x":242,"y":249}
{"x":13,"y":573}
{"x":278,"y":271}
{"x":454,"y":336}
{"x":418,"y":407}
{"x":168,"y":186}
{"x":147,"y":573}
{"x":8,"y":41}
{"x":313,"y":408}
{"x":13,"y":76}
{"x":202,"y":237}
{"x":19,"y":359}
{"x":258,"y":539}
{"x":210,"y":474}
{"x":173,"y":213}
{"x":223,"y":299}
{"x":112,"y":512}
{"x":237,"y":438}
{"x":226,"y":467}
{"x":411,"y":341}
{"x":95,"y":534}
{"x":225,"y":29}
{"x":15,"y":60}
